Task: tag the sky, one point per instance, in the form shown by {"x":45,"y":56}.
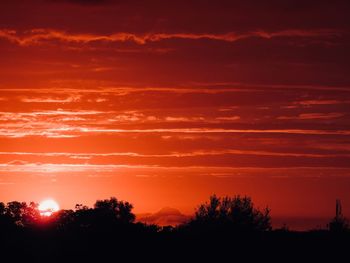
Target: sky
{"x":163,"y":103}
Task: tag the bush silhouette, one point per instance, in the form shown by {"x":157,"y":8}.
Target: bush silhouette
{"x":339,"y":224}
{"x":236,"y":213}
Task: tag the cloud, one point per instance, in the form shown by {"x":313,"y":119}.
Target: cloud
{"x":228,"y":118}
{"x":67,"y":167}
{"x":40,"y":36}
{"x":217,"y":130}
{"x":48,"y":123}
{"x":69,"y":99}
{"x":48,"y":113}
{"x":313,"y":116}
{"x":320,"y":102}
{"x":184,"y":119}
{"x":89,"y":156}
{"x":324,"y":116}
{"x":184,"y":88}
{"x":125,"y":90}
{"x":84,"y":2}
{"x":101,"y":169}
{"x":70,"y":131}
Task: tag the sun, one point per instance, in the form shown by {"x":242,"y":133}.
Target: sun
{"x":48,"y":207}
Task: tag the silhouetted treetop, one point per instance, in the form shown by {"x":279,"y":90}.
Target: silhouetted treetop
{"x":21,"y":213}
{"x":120,"y":210}
{"x":2,"y":208}
{"x":105,"y":214}
{"x":237,"y":213}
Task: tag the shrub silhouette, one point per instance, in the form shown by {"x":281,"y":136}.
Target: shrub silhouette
{"x":338,"y":224}
{"x":236,"y":213}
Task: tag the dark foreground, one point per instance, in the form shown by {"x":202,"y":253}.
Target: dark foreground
{"x":222,"y":230}
{"x":138,"y":243}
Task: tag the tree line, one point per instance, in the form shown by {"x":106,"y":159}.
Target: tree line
{"x":236,"y":213}
{"x":223,"y":229}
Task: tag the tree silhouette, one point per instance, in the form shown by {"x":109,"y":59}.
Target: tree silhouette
{"x":118,"y":210}
{"x":108,"y":231}
{"x":105,"y":214}
{"x":15,"y":210}
{"x":31,"y":214}
{"x":5,"y":220}
{"x":63,"y":219}
{"x":237,"y":213}
{"x":20,"y":213}
{"x":2,"y":208}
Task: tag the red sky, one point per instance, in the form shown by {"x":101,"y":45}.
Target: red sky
{"x":163,"y":103}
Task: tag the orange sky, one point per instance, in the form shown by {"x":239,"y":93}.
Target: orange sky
{"x":163,"y":104}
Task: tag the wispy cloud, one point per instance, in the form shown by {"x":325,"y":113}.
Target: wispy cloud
{"x":68,"y":99}
{"x":320,"y":102}
{"x":63,"y":167}
{"x":120,"y":91}
{"x":214,"y":130}
{"x":106,"y":89}
{"x":228,"y":118}
{"x":66,"y":131}
{"x":49,"y":113}
{"x":101,"y":169}
{"x":313,"y":116}
{"x":40,"y":36}
{"x":175,"y":154}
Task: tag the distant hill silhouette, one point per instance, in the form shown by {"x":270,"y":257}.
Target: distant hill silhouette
{"x":167,"y":216}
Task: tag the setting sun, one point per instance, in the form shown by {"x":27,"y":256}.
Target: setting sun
{"x":47,"y":207}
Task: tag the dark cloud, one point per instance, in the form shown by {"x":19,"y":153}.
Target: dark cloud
{"x":175,"y":16}
{"x":85,"y":2}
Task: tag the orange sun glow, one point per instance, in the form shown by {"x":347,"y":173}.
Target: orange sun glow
{"x":48,"y":207}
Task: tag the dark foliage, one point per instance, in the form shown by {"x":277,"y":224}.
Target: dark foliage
{"x":223,"y":230}
{"x":236,"y":214}
{"x":339,"y":225}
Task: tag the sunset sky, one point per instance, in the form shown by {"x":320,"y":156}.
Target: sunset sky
{"x":163,"y":103}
